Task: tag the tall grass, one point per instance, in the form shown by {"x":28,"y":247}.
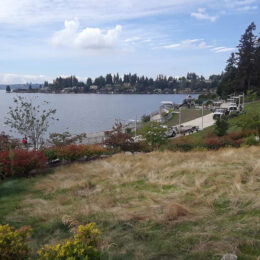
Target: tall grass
{"x":160,"y":205}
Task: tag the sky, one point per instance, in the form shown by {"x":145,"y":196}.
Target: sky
{"x":43,"y":39}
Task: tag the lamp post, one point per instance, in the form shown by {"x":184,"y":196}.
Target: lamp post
{"x":180,"y":120}
{"x":202,"y":116}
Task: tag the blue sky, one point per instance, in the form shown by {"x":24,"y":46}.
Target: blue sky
{"x":43,"y":39}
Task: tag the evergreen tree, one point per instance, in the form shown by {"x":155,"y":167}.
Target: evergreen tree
{"x":8,"y":89}
{"x":246,"y":58}
{"x":228,"y":82}
{"x":257,"y":68}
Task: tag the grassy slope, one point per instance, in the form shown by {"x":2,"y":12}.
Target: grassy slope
{"x":186,"y":115}
{"x":198,"y":137}
{"x":129,"y":197}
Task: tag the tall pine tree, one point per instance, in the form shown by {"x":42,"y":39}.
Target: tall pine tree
{"x":246,"y":59}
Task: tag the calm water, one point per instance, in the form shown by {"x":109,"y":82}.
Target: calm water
{"x":91,"y":113}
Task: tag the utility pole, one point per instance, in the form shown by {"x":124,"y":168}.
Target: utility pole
{"x":135,"y":124}
{"x":202,"y":115}
{"x":180,"y":120}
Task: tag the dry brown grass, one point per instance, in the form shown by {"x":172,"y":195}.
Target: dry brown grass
{"x":162,"y":187}
{"x":145,"y":184}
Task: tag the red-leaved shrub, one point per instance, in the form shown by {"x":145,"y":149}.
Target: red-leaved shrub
{"x":21,"y":162}
{"x":213,"y":142}
{"x":74,"y":152}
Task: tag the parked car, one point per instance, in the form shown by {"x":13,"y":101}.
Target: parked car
{"x":171,"y":131}
{"x":218,"y":115}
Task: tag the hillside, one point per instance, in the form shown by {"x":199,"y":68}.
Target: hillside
{"x":162,"y":205}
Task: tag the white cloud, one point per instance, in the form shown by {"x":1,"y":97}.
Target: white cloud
{"x":197,"y":44}
{"x":242,"y":5}
{"x":222,"y":49}
{"x":202,"y":15}
{"x":189,"y":44}
{"x":133,"y":39}
{"x":247,"y":8}
{"x":88,"y":38}
{"x":93,"y":11}
{"x":11,"y":78}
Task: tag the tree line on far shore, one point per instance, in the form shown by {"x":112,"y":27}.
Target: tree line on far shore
{"x":132,"y":83}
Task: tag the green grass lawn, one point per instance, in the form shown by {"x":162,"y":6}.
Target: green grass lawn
{"x":186,"y":115}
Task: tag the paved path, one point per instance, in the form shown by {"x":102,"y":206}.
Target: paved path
{"x":207,"y":121}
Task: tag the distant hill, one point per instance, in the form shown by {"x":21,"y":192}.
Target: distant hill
{"x":16,"y":86}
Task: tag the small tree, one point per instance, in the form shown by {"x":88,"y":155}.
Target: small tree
{"x":146,"y":118}
{"x":65,"y":138}
{"x":154,"y":134}
{"x":117,"y":138}
{"x":221,"y":127}
{"x":30,"y":120}
{"x":8,"y":89}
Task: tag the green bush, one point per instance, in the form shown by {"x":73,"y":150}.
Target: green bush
{"x":154,"y":134}
{"x":251,"y":140}
{"x":83,"y":245}
{"x":13,"y":243}
{"x":221,"y":127}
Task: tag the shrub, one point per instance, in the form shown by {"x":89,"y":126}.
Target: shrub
{"x":221,"y":127}
{"x":251,"y":140}
{"x":74,"y":152}
{"x":146,"y":118}
{"x":51,"y":154}
{"x":242,"y":134}
{"x":213,"y":142}
{"x":84,"y":245}
{"x":123,"y":141}
{"x":117,"y":138}
{"x":7,"y":143}
{"x":13,"y":243}
{"x":71,"y":152}
{"x":250,"y":121}
{"x":154,"y":134}
{"x":181,"y":144}
{"x":21,"y":162}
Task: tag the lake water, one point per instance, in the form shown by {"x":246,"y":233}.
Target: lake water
{"x":90,"y":113}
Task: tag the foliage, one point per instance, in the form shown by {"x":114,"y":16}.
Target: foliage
{"x":154,"y":134}
{"x":84,"y":245}
{"x":132,"y":83}
{"x":242,"y":73}
{"x":74,"y":152}
{"x":249,"y":121}
{"x":8,"y":89}
{"x":221,"y":127}
{"x":213,"y":142}
{"x":66,"y":138}
{"x":21,"y":162}
{"x":123,"y":141}
{"x":251,"y":140}
{"x":13,"y":243}
{"x":6,"y":142}
{"x":182,"y":144}
{"x":30,"y":120}
{"x":146,"y":118}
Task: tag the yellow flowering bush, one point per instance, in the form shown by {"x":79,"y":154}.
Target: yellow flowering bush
{"x":13,"y":243}
{"x":83,"y":246}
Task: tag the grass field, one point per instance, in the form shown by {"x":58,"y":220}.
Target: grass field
{"x":249,"y":108}
{"x":186,"y":115}
{"x":161,"y":205}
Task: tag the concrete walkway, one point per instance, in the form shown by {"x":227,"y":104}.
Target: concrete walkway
{"x":207,"y":121}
